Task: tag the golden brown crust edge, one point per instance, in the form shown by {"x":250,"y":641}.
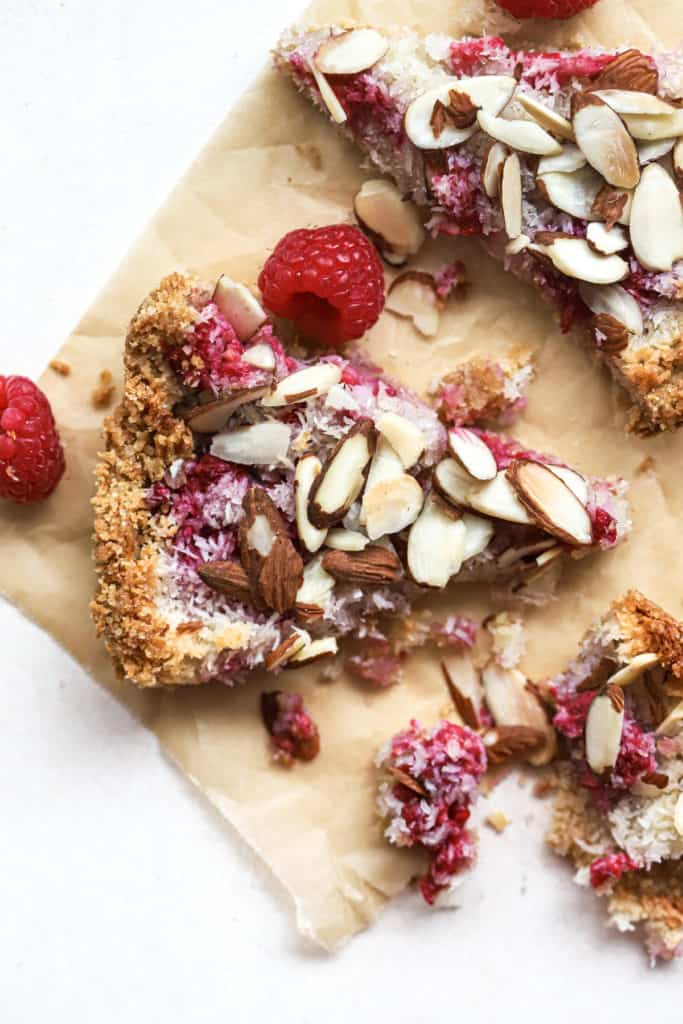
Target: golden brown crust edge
{"x":653,"y":375}
{"x":142,"y":438}
{"x":644,"y":626}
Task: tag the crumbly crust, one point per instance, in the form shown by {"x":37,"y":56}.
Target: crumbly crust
{"x":644,"y":626}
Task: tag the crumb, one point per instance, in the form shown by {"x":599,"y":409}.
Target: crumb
{"x":542,"y":788}
{"x":497,"y":821}
{"x":646,"y":466}
{"x":104,"y":392}
{"x":60,"y":367}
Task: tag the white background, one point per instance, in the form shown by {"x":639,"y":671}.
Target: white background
{"x":122,"y":896}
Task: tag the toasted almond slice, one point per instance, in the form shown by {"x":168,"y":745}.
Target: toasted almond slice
{"x":574,"y":481}
{"x":259,"y":444}
{"x":604,"y":141}
{"x":307,"y":383}
{"x":351,"y":52}
{"x":394,"y":220}
{"x":546,"y":117}
{"x":550,"y":501}
{"x":436,"y":544}
{"x":613,"y":300}
{"x":385,"y":465}
{"x":239,"y":307}
{"x":320,"y":648}
{"x":517,"y":245}
{"x":491,"y":168}
{"x":524,"y":136}
{"x":478,"y":535}
{"x":549,"y":556}
{"x":517,"y":553}
{"x":657,"y":220}
{"x":346,"y":540}
{"x":392,"y":505}
{"x":645,"y":128}
{"x":498,"y":499}
{"x":649,"y":151}
{"x":261,"y":356}
{"x":678,"y":814}
{"x":287,"y":649}
{"x":452,"y":482}
{"x":307,"y":469}
{"x":342,"y":477}
{"x":210,"y":417}
{"x":671,"y":724}
{"x":413,"y":295}
{"x":328,"y":95}
{"x":570,"y":159}
{"x":606,"y":241}
{"x":317,"y":585}
{"x":635,"y":668}
{"x":575,"y":258}
{"x":374,"y":566}
{"x":511,"y":196}
{"x":464,"y":688}
{"x":604,"y":726}
{"x":626,"y":101}
{"x":404,"y":436}
{"x":473,"y":454}
{"x":573,"y":193}
{"x":488,"y":92}
{"x":512,"y":703}
{"x":678,"y":163}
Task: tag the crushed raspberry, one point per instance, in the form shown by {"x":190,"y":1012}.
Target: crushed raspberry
{"x":557,"y":289}
{"x":431,"y":778}
{"x":31,"y":454}
{"x":294,"y":734}
{"x":636,"y":755}
{"x":459,"y":192}
{"x":608,"y":870}
{"x":570,"y":718}
{"x":469,"y":56}
{"x":378,"y":664}
{"x":368,"y":105}
{"x":328,"y":280}
{"x":545,"y":8}
{"x":505,"y":450}
{"x":449,"y":279}
{"x":455,"y":631}
{"x":382,"y":659}
{"x":604,"y":527}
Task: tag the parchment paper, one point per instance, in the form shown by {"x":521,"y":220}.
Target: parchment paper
{"x":259,"y":177}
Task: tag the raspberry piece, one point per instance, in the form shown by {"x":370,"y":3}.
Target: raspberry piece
{"x":329,"y":281}
{"x":31,"y":455}
{"x":545,"y":8}
{"x":607,"y":870}
{"x":293,"y":732}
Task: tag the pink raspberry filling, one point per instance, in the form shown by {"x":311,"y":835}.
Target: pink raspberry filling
{"x":608,"y":870}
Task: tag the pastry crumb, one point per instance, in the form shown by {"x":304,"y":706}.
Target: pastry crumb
{"x":498,"y":821}
{"x":103,"y":394}
{"x":60,"y":367}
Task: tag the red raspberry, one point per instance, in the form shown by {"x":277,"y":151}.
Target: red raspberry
{"x":329,"y":281}
{"x":31,"y":456}
{"x":545,"y":8}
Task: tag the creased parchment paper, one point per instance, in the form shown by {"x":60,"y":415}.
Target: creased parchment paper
{"x":275,"y":165}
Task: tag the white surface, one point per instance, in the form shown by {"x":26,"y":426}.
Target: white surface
{"x":124,"y":898}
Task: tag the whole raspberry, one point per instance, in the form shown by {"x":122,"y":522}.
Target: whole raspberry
{"x":31,"y":456}
{"x":545,"y":8}
{"x":329,"y":281}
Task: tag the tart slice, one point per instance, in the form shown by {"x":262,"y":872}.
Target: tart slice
{"x":252,"y":507}
{"x":566,"y":165}
{"x":619,"y":812}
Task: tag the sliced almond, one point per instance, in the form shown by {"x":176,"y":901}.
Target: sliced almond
{"x":259,"y":444}
{"x":512,"y":703}
{"x":657,"y":220}
{"x":487,"y":92}
{"x":629,"y":69}
{"x":507,"y":742}
{"x":307,"y":470}
{"x":209,"y":417}
{"x":328,"y":95}
{"x":392,"y":505}
{"x":261,"y":356}
{"x":678,"y":163}
{"x":386,"y":465}
{"x":631,"y":672}
{"x":323,"y":647}
{"x":491,"y":168}
{"x":604,"y":141}
{"x":678,"y":814}
{"x":351,"y":52}
{"x":239,"y":307}
{"x":606,"y":241}
{"x":479,"y":533}
{"x":649,"y":151}
{"x":404,"y":436}
{"x":613,"y":300}
{"x":436,"y":544}
{"x":545,"y":116}
{"x":570,"y":159}
{"x":524,"y":136}
{"x":464,"y":704}
{"x":393,"y":221}
{"x":511,"y":196}
{"x":574,"y":481}
{"x":413,"y":295}
{"x":573,"y":193}
{"x":269,"y":558}
{"x":517,"y":245}
{"x":550,"y":502}
{"x":549,"y":556}
{"x":452,"y":482}
{"x":287,"y":649}
{"x":575,"y":258}
{"x":604,"y":726}
{"x":627,"y":101}
{"x":227,"y":577}
{"x":316,"y":586}
{"x":646,"y":128}
{"x":303,"y":384}
{"x":671,"y":724}
{"x":346,"y":540}
{"x":473,"y":454}
{"x":342,"y":477}
{"x":498,"y":499}
{"x":375,"y":566}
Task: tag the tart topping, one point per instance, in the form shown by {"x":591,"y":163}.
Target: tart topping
{"x":307,"y":383}
{"x":314,"y":592}
{"x":512,"y":702}
{"x":393,"y":222}
{"x":604,"y":726}
{"x":570,"y":159}
{"x":612,"y":206}
{"x":499,"y":499}
{"x":209,"y":417}
{"x":391,"y":505}
{"x":239,"y":307}
{"x":351,"y":52}
{"x":328,"y":95}
{"x":323,"y":647}
{"x":307,"y":470}
{"x":634,"y":670}
{"x":404,"y":436}
{"x":551,"y":502}
{"x":606,"y":144}
{"x":649,"y":151}
{"x":423,"y":118}
{"x":574,"y":481}
{"x":472,"y":453}
{"x":606,"y":241}
{"x":511,"y":196}
{"x":342,"y":477}
{"x":269,"y":558}
{"x":615,"y":302}
{"x":646,"y":128}
{"x":413,"y":295}
{"x":524,"y":136}
{"x":492,"y":167}
{"x":629,"y":70}
{"x":477,"y":536}
{"x":374,"y":566}
{"x":261,"y":356}
{"x":346,"y":540}
{"x":546,"y":117}
{"x":452,"y":482}
{"x":573,"y":192}
{"x":459,"y":112}
{"x":259,"y":444}
{"x":506,"y":742}
{"x":657,"y":220}
{"x":628,"y":101}
{"x":436,"y":544}
{"x":575,"y":258}
{"x":228,"y":577}
{"x":290,"y":646}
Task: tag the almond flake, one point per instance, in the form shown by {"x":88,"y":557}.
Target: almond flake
{"x":635,"y":668}
{"x":678,"y":163}
{"x":570,"y":159}
{"x":462,"y":702}
{"x":573,"y":193}
{"x":491,"y":168}
{"x":328,"y":95}
{"x":606,"y":241}
{"x":323,"y":647}
{"x":517,"y":245}
{"x":487,"y":92}
{"x":259,"y":444}
{"x":307,"y":470}
{"x":413,"y":295}
{"x":575,"y":258}
{"x":614,"y":301}
{"x":386,"y":465}
{"x":498,"y":499}
{"x":452,"y":482}
{"x":436,"y":544}
{"x":346,"y":540}
{"x":243,"y":312}
{"x":351,"y":52}
{"x":261,"y":356}
{"x":604,"y":726}
{"x":650,"y":151}
{"x":392,"y":505}
{"x":545,"y":116}
{"x":393,"y":222}
{"x":524,"y":136}
{"x":307,"y":383}
{"x":404,"y":436}
{"x":342,"y":477}
{"x":286,"y":650}
{"x":316,"y":586}
{"x":511,"y":195}
{"x":574,"y":481}
{"x":506,"y":742}
{"x":645,"y":128}
{"x":628,"y":101}
{"x":550,"y":501}
{"x":678,"y":814}
{"x":473,"y":454}
{"x":657,"y":220}
{"x":375,"y":566}
{"x":604,"y":141}
{"x":513,"y":704}
{"x":209,"y":417}
{"x":478,"y":535}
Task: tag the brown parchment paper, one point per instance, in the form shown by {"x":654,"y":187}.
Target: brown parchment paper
{"x":274,"y":165}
